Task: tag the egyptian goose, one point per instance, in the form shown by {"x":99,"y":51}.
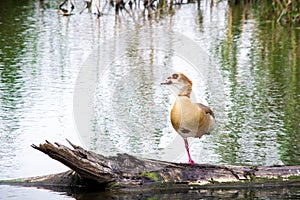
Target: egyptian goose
{"x":187,"y":118}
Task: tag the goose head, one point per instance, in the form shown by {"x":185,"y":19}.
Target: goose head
{"x":181,"y":83}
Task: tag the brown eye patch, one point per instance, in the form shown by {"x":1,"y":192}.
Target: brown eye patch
{"x":175,"y":76}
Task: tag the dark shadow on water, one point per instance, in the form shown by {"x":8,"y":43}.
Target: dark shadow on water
{"x":241,"y":193}
{"x":229,"y":191}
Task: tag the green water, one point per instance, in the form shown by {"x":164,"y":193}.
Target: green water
{"x":242,"y":63}
{"x":261,"y":61}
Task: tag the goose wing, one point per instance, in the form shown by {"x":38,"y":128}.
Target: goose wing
{"x":206,"y":109}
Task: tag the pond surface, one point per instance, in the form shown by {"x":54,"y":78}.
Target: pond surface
{"x":97,"y":83}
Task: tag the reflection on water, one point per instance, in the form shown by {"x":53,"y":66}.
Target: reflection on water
{"x":132,"y":98}
{"x":257,"y":193}
{"x":261,"y":63}
{"x":16,"y":193}
{"x":36,"y":83}
{"x":286,"y":192}
{"x":251,"y":80}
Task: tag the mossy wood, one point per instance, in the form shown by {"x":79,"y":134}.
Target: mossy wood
{"x":91,"y":170}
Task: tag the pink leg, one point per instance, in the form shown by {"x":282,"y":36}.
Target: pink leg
{"x":188,"y":151}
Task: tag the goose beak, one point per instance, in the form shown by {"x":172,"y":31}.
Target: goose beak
{"x":167,"y":82}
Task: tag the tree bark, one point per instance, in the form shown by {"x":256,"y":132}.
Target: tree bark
{"x":91,"y":170}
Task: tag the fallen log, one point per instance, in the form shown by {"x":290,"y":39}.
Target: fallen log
{"x":126,"y":172}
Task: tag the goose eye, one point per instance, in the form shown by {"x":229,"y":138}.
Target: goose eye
{"x":175,"y":76}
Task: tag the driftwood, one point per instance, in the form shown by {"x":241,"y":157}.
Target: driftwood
{"x":126,"y":172}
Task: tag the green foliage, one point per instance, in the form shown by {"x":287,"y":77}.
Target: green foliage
{"x":285,"y":11}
